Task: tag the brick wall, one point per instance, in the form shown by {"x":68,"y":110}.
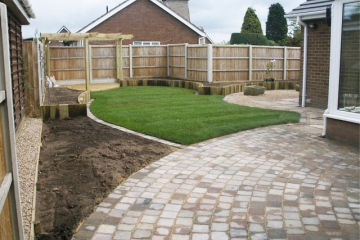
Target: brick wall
{"x":147,"y":22}
{"x":342,"y":131}
{"x":317,"y":84}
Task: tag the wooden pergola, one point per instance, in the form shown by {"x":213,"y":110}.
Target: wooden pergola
{"x":86,"y":37}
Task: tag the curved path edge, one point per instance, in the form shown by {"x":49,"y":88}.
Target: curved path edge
{"x":93,"y":117}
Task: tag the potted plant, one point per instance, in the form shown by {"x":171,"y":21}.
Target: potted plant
{"x":269,"y":67}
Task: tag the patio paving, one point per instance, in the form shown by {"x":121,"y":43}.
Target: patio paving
{"x":277,"y":182}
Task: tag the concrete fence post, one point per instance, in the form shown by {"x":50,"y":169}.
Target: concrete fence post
{"x":210,"y":63}
{"x":130,"y":61}
{"x":250,"y":62}
{"x":168,"y":60}
{"x":186,"y":61}
{"x":285,"y":63}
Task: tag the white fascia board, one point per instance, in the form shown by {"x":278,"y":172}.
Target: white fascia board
{"x":175,"y":15}
{"x":307,"y":16}
{"x":107,"y":16}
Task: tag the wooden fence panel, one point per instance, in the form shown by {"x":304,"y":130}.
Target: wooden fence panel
{"x":67,"y":63}
{"x":226,"y":63}
{"x":262,"y":56}
{"x":32,"y":84}
{"x":230,"y":63}
{"x":177,"y":55}
{"x":149,"y":61}
{"x":293,"y":63}
{"x":103,"y":62}
{"x":198,"y":63}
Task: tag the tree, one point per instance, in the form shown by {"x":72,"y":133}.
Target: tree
{"x":251,"y":22}
{"x":276,"y":25}
{"x":294,"y":36}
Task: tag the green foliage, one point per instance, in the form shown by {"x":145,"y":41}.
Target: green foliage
{"x":178,"y":115}
{"x":276,"y":24}
{"x":293,"y":38}
{"x":272,"y":43}
{"x":249,"y":38}
{"x":251,"y":22}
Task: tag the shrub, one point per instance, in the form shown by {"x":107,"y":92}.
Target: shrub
{"x":249,"y":38}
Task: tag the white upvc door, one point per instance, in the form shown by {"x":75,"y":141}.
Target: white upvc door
{"x":344,"y":76}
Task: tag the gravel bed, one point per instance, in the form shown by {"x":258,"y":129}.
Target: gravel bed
{"x":268,"y":96}
{"x":27,"y":150}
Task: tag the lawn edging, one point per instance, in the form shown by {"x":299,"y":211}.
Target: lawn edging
{"x":210,"y":90}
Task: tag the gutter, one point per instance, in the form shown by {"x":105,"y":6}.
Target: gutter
{"x":306,"y":29}
{"x":307,"y":15}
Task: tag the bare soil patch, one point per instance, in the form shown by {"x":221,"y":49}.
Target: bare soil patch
{"x":58,"y":95}
{"x":81,"y":162}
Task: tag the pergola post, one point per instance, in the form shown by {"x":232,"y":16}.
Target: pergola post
{"x":119,"y":70}
{"x":87,"y":63}
{"x":44,"y":55}
{"x":47,"y":57}
{"x":86,"y":37}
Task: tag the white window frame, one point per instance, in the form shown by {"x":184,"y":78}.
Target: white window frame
{"x":146,"y":43}
{"x":335,"y":57}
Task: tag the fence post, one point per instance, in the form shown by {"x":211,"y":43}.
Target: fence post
{"x":285,"y":63}
{"x":87,"y":64}
{"x":250,"y":62}
{"x":90,"y":64}
{"x":210,"y":64}
{"x":186,"y":60}
{"x":130,"y":61}
{"x":168,"y":60}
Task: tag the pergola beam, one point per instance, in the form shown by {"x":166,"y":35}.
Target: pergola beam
{"x":86,"y":37}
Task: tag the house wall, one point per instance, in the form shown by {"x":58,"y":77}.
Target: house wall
{"x":318,"y":65}
{"x":342,"y":131}
{"x":147,"y":22}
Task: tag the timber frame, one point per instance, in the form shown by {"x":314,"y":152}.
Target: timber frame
{"x":86,"y":37}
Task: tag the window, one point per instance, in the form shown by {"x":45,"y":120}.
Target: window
{"x":344,"y":78}
{"x":147,"y":43}
{"x":348,"y":97}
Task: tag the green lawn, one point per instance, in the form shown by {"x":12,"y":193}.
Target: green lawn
{"x":177,"y":115}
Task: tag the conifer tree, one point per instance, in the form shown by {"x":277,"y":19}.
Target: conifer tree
{"x":251,"y":22}
{"x":276,"y":25}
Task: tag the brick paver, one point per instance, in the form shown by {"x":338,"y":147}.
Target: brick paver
{"x":268,"y":183}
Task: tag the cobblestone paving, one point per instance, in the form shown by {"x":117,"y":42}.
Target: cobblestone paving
{"x":269,"y":183}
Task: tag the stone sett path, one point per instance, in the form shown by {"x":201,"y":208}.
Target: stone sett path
{"x":268,"y":183}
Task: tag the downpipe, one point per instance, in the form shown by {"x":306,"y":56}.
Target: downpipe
{"x":306,"y":29}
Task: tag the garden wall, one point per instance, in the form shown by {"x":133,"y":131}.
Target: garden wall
{"x":204,"y":63}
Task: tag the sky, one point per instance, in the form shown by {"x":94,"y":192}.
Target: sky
{"x":219,"y":18}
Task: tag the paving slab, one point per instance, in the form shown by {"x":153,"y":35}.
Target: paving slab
{"x":277,"y":182}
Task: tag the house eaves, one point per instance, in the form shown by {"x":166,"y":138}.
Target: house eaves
{"x":21,"y":9}
{"x":129,"y":2}
{"x":310,"y":10}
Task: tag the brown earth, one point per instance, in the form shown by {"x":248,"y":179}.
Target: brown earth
{"x":80,"y":163}
{"x":54,"y":96}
